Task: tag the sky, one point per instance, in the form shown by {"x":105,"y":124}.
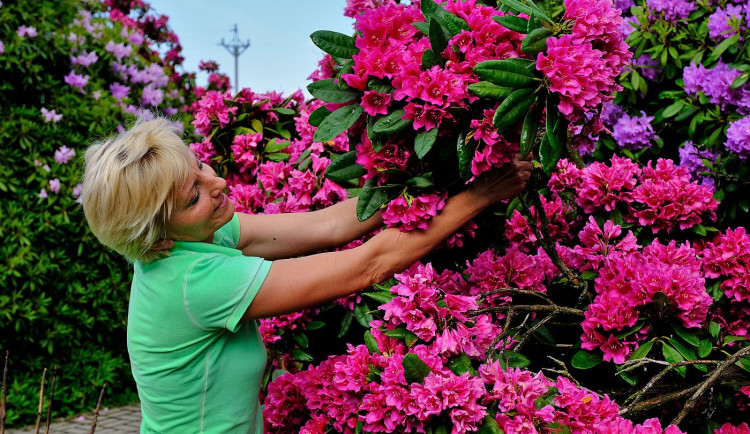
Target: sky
{"x":281,"y":55}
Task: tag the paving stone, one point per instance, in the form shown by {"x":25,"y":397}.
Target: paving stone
{"x":120,"y":420}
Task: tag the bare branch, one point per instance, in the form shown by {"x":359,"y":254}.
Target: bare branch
{"x":41,"y":401}
{"x":531,"y":330}
{"x":96,"y":411}
{"x":529,"y":308}
{"x":713,"y":378}
{"x":516,"y":291}
{"x":4,"y":393}
{"x":51,"y":400}
{"x":564,"y":372}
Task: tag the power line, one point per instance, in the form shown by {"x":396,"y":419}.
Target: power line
{"x":235,"y":48}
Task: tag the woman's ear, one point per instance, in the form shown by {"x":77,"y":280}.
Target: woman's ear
{"x":162,"y":244}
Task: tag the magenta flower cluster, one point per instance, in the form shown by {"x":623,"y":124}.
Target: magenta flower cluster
{"x":582,"y":66}
{"x":665,"y":278}
{"x":661,"y":197}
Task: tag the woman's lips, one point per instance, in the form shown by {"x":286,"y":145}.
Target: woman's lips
{"x":223,"y":203}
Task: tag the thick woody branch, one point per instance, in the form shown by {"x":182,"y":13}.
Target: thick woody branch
{"x":529,"y":308}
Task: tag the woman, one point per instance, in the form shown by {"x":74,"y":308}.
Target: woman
{"x":203,"y":273}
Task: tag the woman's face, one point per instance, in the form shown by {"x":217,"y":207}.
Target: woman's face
{"x":201,"y":206}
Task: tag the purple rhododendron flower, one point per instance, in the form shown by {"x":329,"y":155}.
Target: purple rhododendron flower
{"x":673,"y":10}
{"x":119,"y":91}
{"x":635,"y":132}
{"x":50,"y":115}
{"x":611,"y":113}
{"x":738,"y":138}
{"x":118,"y":50}
{"x":723,"y":23}
{"x":76,"y":80}
{"x":716,"y":84}
{"x":84,"y":59}
{"x":43,"y":193}
{"x":692,"y":158}
{"x":2,"y":47}
{"x":64,"y":154}
{"x":649,"y":68}
{"x":23,"y":31}
{"x":152,"y":95}
{"x":54,"y":185}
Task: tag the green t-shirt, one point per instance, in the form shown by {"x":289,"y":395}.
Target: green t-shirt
{"x":197,"y":367}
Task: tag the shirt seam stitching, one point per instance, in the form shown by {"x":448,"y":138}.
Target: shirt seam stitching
{"x":184,"y":296}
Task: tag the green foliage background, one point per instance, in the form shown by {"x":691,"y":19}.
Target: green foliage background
{"x":63,"y":298}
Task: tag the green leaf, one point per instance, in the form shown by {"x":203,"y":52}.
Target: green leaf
{"x":740,"y":80}
{"x":344,"y":168}
{"x":511,"y":22}
{"x":301,"y":355}
{"x":714,"y":329}
{"x":673,"y":109}
{"x":504,"y":73}
{"x":465,"y":150}
{"x":629,"y":377}
{"x":371,"y":199}
{"x":428,"y":59}
{"x":557,"y":428}
{"x":420,"y":181}
{"x":489,"y":426}
{"x":318,"y":115}
{"x":536,"y":41}
{"x":722,"y":47}
{"x":315,"y":325}
{"x":391,"y":123}
{"x":438,"y":39}
{"x":334,"y":43}
{"x":371,"y":343}
{"x":516,"y":360}
{"x":730,"y":339}
{"x":485,"y":89}
{"x":528,"y":7}
{"x":671,"y":355}
{"x":337,"y":122}
{"x":454,"y":24}
{"x":422,"y":26}
{"x":530,"y":127}
{"x":460,"y":364}
{"x":424,"y":141}
{"x":642,"y":351}
{"x":275,"y":146}
{"x":415,"y":370}
{"x":346,"y":323}
{"x":584,"y":359}
{"x":512,"y":109}
{"x":301,"y":340}
{"x":705,"y":348}
{"x":380,"y":296}
{"x":430,"y":9}
{"x":278,"y":156}
{"x":329,"y":91}
{"x":686,"y":352}
{"x":361,"y":312}
{"x":688,"y":336}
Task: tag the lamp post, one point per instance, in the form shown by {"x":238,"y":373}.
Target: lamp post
{"x":235,"y":48}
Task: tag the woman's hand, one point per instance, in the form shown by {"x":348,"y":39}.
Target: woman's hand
{"x":504,"y":182}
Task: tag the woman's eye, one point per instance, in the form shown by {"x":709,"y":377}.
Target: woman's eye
{"x":196,"y":197}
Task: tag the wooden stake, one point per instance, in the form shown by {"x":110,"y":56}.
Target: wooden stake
{"x":51,"y":400}
{"x":41,"y":401}
{"x":96,"y":412}
{"x":4,"y":394}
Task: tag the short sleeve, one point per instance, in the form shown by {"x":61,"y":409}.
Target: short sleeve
{"x":218,"y":289}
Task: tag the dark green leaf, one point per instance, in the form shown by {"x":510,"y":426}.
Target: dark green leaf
{"x":722,"y":47}
{"x":740,"y":80}
{"x":337,"y":122}
{"x":316,"y":325}
{"x":512,"y":109}
{"x":687,"y":335}
{"x":584,"y":359}
{"x":424,"y":141}
{"x":673,"y":109}
{"x":438,"y":39}
{"x":430,"y":9}
{"x":371,"y":343}
{"x":489,"y":426}
{"x":530,"y":127}
{"x":371,"y":199}
{"x":485,"y":89}
{"x":301,"y":340}
{"x":422,"y":26}
{"x":415,"y":370}
{"x":511,"y":22}
{"x":428,"y":59}
{"x":557,"y":428}
{"x":686,"y":352}
{"x":278,"y":156}
{"x":671,"y":355}
{"x":391,"y":123}
{"x":642,"y":350}
{"x":344,"y":168}
{"x":516,"y":360}
{"x":329,"y":91}
{"x":420,"y":181}
{"x":334,"y":43}
{"x":301,"y":355}
{"x":346,"y":323}
{"x":536,"y":41}
{"x":705,"y":348}
{"x":504,"y":73}
{"x":318,"y":115}
{"x":465,"y":149}
{"x":460,"y":364}
{"x":275,"y":146}
{"x":380,"y":296}
{"x":454,"y":24}
{"x":361,"y":312}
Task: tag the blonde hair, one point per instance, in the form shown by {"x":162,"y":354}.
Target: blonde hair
{"x":129,"y":184}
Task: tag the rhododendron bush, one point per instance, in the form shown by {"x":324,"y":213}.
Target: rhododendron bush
{"x":614,"y":301}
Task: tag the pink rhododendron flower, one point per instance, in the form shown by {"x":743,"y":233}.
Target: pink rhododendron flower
{"x":409,"y":213}
{"x":376,"y":103}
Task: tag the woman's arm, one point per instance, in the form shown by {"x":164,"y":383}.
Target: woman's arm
{"x":294,"y":284}
{"x":279,"y":236}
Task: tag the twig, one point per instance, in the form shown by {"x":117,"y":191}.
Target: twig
{"x":41,"y":402}
{"x":516,"y":291}
{"x":51,"y":400}
{"x":530,"y":308}
{"x":4,"y":393}
{"x":491,"y":350}
{"x":564,"y":371}
{"x":96,"y":411}
{"x":531,"y":330}
{"x":708,"y":383}
{"x":658,"y":401}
